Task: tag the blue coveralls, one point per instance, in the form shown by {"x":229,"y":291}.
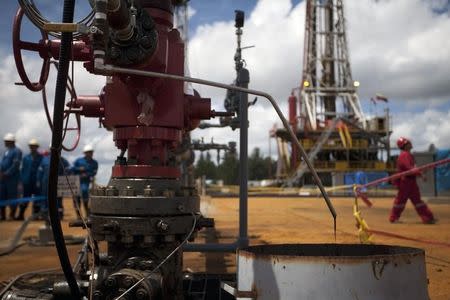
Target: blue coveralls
{"x":361,"y":179}
{"x":10,"y":169}
{"x":42,"y":181}
{"x":86,"y":169}
{"x":30,"y":165}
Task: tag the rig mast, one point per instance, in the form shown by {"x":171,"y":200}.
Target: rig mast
{"x":327,"y":76}
{"x":325,"y":110}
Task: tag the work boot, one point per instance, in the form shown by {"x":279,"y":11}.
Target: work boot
{"x":430,"y":221}
{"x":394,"y":221}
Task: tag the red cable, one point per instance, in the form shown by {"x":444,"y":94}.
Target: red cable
{"x":388,"y":234}
{"x":396,"y":176}
{"x":406,"y":173}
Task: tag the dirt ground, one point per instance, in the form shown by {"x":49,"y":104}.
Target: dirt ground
{"x":271,"y":220}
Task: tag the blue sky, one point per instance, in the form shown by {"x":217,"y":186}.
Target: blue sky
{"x":399,"y":48}
{"x":207,"y":12}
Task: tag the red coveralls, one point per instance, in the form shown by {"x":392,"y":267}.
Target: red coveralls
{"x":408,"y":188}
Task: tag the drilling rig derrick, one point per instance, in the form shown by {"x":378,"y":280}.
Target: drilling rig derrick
{"x":325,"y":111}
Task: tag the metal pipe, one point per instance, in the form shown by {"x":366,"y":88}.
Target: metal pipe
{"x":230,"y":247}
{"x":120,"y":19}
{"x":243,"y":79}
{"x":108,"y":69}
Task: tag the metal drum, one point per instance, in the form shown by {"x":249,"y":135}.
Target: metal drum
{"x":331,"y":271}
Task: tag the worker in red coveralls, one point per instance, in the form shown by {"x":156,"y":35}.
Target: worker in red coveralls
{"x":407,"y":186}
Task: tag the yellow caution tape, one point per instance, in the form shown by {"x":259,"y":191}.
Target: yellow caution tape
{"x":365,"y":236}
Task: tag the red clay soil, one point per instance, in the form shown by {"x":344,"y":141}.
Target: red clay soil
{"x":272,"y":220}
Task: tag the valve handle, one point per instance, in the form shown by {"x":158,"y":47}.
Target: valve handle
{"x":19,"y":45}
{"x":77,"y":127}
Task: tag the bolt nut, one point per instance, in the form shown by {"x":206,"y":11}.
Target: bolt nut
{"x":130,"y":264}
{"x":146,"y":264}
{"x":146,"y":42}
{"x":97,"y":295}
{"x":121,"y":291}
{"x":141,"y":294}
{"x":114,"y":52}
{"x":147,"y":192}
{"x":110,"y":282}
{"x":111,"y":226}
{"x":100,"y":191}
{"x":128,"y":191}
{"x":162,"y":226}
{"x":132,"y":53}
{"x":111,"y":191}
{"x":147,"y":22}
{"x":128,"y":281}
{"x":180,"y":207}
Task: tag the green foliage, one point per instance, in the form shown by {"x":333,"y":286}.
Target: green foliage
{"x":259,"y":167}
{"x":229,"y":170}
{"x":205,"y":167}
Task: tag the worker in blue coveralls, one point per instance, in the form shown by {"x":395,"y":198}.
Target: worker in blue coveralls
{"x":42,"y":182}
{"x":9,"y":174}
{"x":86,"y":167}
{"x":30,"y":165}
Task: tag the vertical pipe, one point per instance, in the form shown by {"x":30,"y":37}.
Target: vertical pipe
{"x":293,"y":122}
{"x":243,"y":79}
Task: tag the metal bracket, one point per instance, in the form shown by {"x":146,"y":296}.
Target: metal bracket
{"x":66,"y":27}
{"x":227,"y":287}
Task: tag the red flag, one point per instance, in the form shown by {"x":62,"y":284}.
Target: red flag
{"x":380,"y":97}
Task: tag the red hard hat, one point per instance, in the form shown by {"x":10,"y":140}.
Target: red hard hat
{"x":402,"y":141}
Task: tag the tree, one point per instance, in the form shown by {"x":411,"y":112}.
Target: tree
{"x":205,"y":167}
{"x":228,"y":170}
{"x":258,"y":168}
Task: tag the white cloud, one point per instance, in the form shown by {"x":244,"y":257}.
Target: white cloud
{"x":399,"y":48}
{"x":191,"y":11}
{"x":429,"y":127}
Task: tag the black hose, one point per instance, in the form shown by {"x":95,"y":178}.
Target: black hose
{"x":55,"y":150}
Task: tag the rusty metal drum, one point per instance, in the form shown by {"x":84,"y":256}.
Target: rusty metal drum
{"x":331,"y":271}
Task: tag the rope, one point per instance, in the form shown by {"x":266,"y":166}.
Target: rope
{"x":406,"y":238}
{"x":366,"y":234}
{"x":8,"y":202}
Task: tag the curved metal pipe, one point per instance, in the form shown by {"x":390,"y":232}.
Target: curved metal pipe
{"x":108,"y":69}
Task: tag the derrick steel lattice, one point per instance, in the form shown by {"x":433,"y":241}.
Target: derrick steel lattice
{"x":327,"y":90}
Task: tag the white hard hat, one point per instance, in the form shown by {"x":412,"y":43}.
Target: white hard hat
{"x":88,"y":148}
{"x":9,"y":137}
{"x":33,"y":142}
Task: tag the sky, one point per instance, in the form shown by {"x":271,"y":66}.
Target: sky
{"x":399,"y":48}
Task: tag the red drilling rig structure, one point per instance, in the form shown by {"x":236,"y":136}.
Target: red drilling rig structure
{"x":325,"y":111}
